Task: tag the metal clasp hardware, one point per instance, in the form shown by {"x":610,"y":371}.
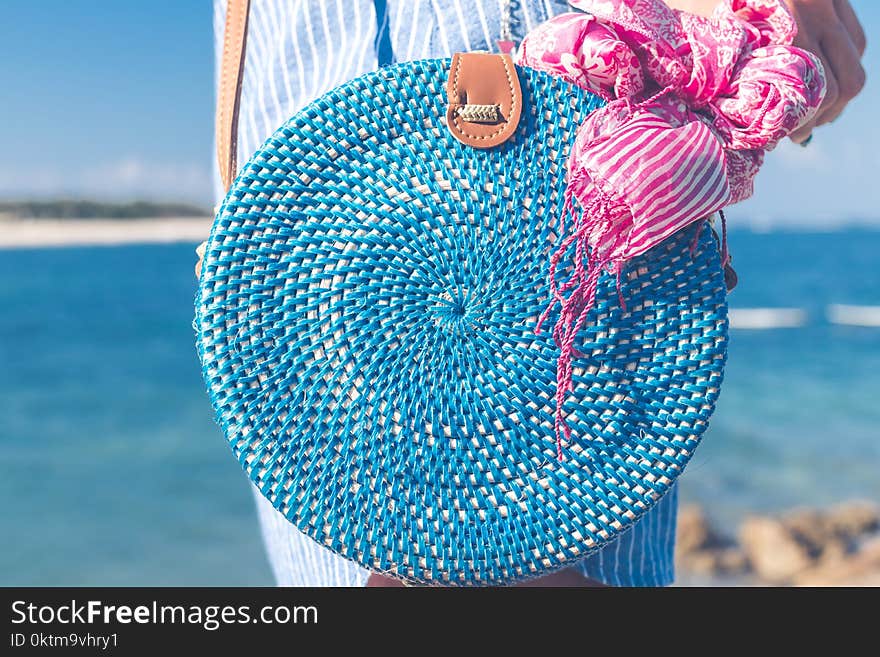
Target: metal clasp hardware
{"x":473,"y":113}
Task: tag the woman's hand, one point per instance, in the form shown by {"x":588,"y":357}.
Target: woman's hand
{"x":830,"y":30}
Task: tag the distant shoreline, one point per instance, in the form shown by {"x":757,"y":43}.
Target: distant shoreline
{"x":26,"y":233}
{"x":58,"y":233}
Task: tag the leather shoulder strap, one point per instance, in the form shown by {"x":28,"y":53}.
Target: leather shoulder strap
{"x":229,"y":93}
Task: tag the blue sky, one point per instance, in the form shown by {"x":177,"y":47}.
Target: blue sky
{"x":115,"y":100}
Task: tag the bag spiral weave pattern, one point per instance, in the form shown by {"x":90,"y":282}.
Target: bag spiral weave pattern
{"x":366,"y":325}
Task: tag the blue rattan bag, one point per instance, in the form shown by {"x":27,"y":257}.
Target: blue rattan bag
{"x":366,"y":324}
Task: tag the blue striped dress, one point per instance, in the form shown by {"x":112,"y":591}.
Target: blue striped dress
{"x":298,"y":50}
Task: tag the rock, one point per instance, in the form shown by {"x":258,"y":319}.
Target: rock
{"x":703,"y":563}
{"x":732,"y":561}
{"x":835,"y":547}
{"x":708,"y":563}
{"x":701,"y":550}
{"x":773,"y":551}
{"x":861,"y":568}
{"x":811,"y":529}
{"x":693,"y":530}
{"x":845,"y":524}
{"x":854,"y":519}
{"x":833,"y":551}
{"x":725,"y":561}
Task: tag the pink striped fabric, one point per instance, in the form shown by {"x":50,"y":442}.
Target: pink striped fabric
{"x":670,"y":171}
{"x":693,"y":105}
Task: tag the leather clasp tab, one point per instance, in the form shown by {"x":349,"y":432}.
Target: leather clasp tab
{"x":485,"y":99}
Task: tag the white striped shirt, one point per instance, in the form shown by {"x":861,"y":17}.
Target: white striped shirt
{"x":296,"y":51}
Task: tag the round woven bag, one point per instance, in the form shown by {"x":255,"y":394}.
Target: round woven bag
{"x":366,"y":324}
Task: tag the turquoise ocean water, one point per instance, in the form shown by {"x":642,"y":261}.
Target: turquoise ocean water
{"x":114,"y":473}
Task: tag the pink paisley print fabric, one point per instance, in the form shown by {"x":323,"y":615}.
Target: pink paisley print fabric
{"x":693,"y":104}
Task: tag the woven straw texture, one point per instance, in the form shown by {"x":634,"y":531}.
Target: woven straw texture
{"x":366,"y":325}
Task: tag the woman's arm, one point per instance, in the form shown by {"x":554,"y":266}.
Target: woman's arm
{"x":830,"y":30}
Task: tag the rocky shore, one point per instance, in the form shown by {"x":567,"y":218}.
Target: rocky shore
{"x":838,"y":546}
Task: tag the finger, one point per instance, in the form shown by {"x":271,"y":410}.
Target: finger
{"x":832,"y":90}
{"x":844,"y":60}
{"x":830,"y":100}
{"x":850,"y":21}
{"x":801,"y":135}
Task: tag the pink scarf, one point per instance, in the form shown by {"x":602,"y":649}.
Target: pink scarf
{"x":693,"y":105}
